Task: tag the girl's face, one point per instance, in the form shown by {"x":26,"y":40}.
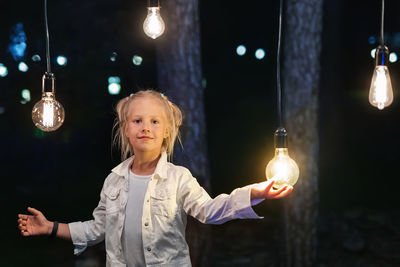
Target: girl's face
{"x":146,"y":127}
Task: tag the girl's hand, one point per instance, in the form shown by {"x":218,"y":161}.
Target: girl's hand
{"x":35,"y":224}
{"x":265,"y":190}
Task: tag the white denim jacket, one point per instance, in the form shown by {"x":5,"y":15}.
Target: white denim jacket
{"x":172,"y":194}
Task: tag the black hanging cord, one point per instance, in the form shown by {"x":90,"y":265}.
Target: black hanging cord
{"x":382,"y":22}
{"x":47,"y":38}
{"x":278,"y":68}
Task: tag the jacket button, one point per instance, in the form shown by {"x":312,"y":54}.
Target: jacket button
{"x":146,"y":224}
{"x":148,"y":249}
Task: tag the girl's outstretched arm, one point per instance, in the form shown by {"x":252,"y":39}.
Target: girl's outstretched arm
{"x":237,"y":205}
{"x":37,"y":224}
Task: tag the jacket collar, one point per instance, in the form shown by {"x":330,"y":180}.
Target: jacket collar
{"x":160,"y":172}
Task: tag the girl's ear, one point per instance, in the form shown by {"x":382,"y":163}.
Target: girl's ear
{"x":166,"y":132}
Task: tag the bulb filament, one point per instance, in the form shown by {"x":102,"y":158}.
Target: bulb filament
{"x":380,"y":84}
{"x":48,"y":114}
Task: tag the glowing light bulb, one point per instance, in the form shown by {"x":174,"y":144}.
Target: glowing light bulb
{"x":48,"y":114}
{"x":282,"y":169}
{"x":381,"y":92}
{"x":153,"y":25}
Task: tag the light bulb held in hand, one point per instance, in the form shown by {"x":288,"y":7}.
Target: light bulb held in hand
{"x":153,"y":25}
{"x":48,"y":114}
{"x":381,"y":92}
{"x":282,"y":169}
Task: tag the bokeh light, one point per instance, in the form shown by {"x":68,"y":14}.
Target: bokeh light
{"x":3,"y":70}
{"x":114,"y":86}
{"x":36,"y":58}
{"x":18,"y":44}
{"x":241,"y":50}
{"x":113,"y":56}
{"x":62,"y":60}
{"x":393,"y":57}
{"x":26,"y":95}
{"x":372,"y":40}
{"x":114,"y":79}
{"x":137,"y":60}
{"x":204,"y":82}
{"x":23,"y":67}
{"x":373,"y":53}
{"x":260,"y":53}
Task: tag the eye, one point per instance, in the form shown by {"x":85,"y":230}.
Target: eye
{"x":155,"y":122}
{"x":137,"y":121}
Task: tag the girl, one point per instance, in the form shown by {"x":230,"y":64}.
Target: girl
{"x":145,"y":200}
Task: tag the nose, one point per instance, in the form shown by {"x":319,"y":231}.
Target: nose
{"x":146,"y":127}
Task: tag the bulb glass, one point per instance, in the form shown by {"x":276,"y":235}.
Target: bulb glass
{"x":381,"y":92}
{"x":282,"y":169}
{"x":153,"y":25}
{"x":48,"y":114}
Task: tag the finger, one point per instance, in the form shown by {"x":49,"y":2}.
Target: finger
{"x":284,"y":193}
{"x":34,"y":211}
{"x":269,"y":186}
{"x":276,"y":192}
{"x":23,"y":216}
{"x":22,"y":227}
{"x":25,"y":233}
{"x":21,"y":221}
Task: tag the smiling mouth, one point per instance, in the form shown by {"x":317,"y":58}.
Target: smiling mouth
{"x":145,"y":137}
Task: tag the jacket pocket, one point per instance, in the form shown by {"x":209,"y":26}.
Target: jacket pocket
{"x":112,"y":200}
{"x":162,"y":201}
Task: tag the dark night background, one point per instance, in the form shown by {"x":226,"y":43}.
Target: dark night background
{"x":61,"y":173}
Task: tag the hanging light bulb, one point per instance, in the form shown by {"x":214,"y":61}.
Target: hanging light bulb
{"x":48,"y":114}
{"x":282,"y":169}
{"x":381,"y":92}
{"x":153,"y":25}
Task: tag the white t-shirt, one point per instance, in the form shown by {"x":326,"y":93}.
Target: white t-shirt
{"x":132,"y":243}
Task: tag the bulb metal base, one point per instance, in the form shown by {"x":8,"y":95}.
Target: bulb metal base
{"x":48,"y":83}
{"x":382,"y":55}
{"x":280,"y":138}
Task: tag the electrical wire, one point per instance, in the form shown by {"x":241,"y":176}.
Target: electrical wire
{"x":47,"y":38}
{"x":382,"y":22}
{"x":278,"y":68}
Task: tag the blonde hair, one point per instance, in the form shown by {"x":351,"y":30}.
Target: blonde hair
{"x":172,"y":112}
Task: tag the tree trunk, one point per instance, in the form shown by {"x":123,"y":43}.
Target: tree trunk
{"x":180,"y":76}
{"x":301,"y":72}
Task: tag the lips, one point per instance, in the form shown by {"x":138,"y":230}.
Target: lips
{"x":144,"y":137}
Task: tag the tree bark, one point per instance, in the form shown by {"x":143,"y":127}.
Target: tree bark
{"x":301,"y":75}
{"x":180,"y":77}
